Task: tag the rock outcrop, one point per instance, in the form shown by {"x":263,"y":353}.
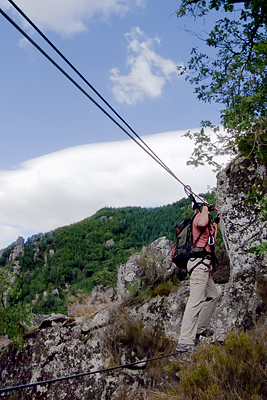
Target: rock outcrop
{"x":18,"y":249}
{"x":153,"y":264}
{"x":242,"y":228}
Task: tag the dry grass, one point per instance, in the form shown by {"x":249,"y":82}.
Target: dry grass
{"x":128,"y":340}
{"x":80,"y":306}
{"x":237,"y":370}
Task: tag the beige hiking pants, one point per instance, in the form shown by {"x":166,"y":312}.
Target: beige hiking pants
{"x":201,"y":303}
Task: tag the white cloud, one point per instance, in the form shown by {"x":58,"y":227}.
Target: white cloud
{"x":148,"y":70}
{"x":70,"y":185}
{"x":71,"y":16}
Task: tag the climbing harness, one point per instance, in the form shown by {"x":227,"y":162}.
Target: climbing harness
{"x":185,"y":248}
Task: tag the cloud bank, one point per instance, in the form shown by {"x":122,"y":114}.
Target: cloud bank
{"x":69,"y":185}
{"x":72,"y":16}
{"x":148,"y":70}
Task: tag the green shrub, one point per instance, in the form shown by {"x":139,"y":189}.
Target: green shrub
{"x":104,"y":278}
{"x":166,"y":287}
{"x":14,"y":315}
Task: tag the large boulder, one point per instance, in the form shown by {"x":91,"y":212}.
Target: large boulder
{"x":242,"y":228}
{"x":152,"y":265}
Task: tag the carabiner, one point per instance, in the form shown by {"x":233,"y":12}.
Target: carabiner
{"x":211,"y":240}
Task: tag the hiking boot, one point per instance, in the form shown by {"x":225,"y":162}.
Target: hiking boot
{"x":185,"y":348}
{"x":205,"y":333}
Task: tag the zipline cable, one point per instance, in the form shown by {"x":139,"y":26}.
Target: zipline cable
{"x":78,"y":86}
{"x":81,"y":89}
{"x":64,"y":378}
{"x":81,"y":76}
{"x":146,"y":148}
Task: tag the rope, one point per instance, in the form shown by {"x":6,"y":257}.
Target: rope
{"x":147,"y":149}
{"x":78,"y":86}
{"x":81,"y":76}
{"x":85,"y":80}
{"x":8,"y":389}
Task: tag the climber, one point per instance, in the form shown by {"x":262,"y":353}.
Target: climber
{"x":203,"y":292}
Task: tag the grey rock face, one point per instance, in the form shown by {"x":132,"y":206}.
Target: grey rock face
{"x":103,"y":295}
{"x":242,"y":229}
{"x":18,"y":249}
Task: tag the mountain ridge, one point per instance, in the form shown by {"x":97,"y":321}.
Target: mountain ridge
{"x":77,"y":257}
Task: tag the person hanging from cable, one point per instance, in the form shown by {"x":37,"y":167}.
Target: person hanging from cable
{"x":203,"y":292}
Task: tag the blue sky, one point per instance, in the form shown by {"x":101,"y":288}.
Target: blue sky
{"x":128,"y":50}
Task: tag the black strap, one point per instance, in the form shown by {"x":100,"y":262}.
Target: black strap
{"x":199,"y":236}
{"x":197,"y":264}
{"x":212,"y":257}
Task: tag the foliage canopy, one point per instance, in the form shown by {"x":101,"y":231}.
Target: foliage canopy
{"x":236,"y":78}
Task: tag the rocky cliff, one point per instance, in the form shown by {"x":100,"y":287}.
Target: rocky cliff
{"x":134,"y":323}
{"x":242,"y":229}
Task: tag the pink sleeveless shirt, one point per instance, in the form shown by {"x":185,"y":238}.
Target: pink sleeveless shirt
{"x":203,"y":240}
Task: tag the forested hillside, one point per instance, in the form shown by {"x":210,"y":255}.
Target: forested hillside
{"x":72,"y":260}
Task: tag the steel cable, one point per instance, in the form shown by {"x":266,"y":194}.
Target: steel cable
{"x":64,"y":378}
{"x":83,"y":78}
{"x":147,"y":149}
